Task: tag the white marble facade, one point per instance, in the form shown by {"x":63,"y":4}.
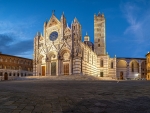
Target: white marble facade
{"x":60,"y":50}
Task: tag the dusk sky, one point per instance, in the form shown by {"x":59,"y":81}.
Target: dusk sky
{"x":127,"y":23}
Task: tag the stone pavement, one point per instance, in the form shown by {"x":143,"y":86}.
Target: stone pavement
{"x":46,"y":95}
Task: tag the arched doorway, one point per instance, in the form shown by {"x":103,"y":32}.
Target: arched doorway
{"x":66,"y":62}
{"x":121,"y":75}
{"x":43,"y":70}
{"x":66,"y":68}
{"x":53,"y":68}
{"x":5,"y":76}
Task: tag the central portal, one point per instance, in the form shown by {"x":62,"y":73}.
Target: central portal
{"x":53,"y":68}
{"x":66,"y":68}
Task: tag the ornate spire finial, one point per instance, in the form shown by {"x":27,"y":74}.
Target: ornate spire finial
{"x":53,"y":12}
{"x":67,"y":24}
{"x":99,"y":13}
{"x":86,"y":33}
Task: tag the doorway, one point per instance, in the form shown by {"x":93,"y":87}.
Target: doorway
{"x":121,"y":75}
{"x":53,"y":68}
{"x":5,"y":76}
{"x":66,"y":68}
{"x":43,"y":70}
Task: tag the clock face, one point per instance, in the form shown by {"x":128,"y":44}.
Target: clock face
{"x":53,"y":36}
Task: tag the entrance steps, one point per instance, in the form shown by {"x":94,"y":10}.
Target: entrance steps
{"x":67,"y":77}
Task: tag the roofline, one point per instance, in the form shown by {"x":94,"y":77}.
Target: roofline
{"x":15,"y":56}
{"x":129,"y":58}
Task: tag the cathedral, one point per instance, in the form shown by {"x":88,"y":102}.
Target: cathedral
{"x":59,"y":50}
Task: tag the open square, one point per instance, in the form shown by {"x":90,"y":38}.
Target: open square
{"x":53,"y":95}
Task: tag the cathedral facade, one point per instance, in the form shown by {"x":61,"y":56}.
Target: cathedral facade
{"x":60,"y":50}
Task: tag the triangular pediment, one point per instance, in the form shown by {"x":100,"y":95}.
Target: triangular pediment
{"x":41,"y":38}
{"x":52,"y":48}
{"x":42,"y":51}
{"x":53,"y":21}
{"x":65,"y":45}
{"x":67,"y":31}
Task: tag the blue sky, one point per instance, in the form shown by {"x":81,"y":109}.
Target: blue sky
{"x":127,"y":23}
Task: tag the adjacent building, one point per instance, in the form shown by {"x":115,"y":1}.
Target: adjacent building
{"x":131,"y":68}
{"x":148,"y":66}
{"x":12,"y":67}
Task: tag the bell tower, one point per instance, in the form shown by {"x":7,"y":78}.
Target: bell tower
{"x":99,"y":34}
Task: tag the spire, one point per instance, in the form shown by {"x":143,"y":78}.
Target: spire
{"x":67,"y":25}
{"x":99,"y":13}
{"x":53,"y":12}
{"x":86,"y":34}
{"x":75,"y":20}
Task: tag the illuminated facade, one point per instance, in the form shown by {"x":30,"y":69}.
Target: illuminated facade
{"x":60,"y":50}
{"x":130,"y":68}
{"x":148,"y":66}
{"x":12,"y":67}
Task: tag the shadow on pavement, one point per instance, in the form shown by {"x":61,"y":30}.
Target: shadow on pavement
{"x":137,"y":105}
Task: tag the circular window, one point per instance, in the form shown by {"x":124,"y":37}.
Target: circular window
{"x":53,"y":36}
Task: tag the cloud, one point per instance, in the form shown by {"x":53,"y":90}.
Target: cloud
{"x":138,"y":18}
{"x":16,"y":37}
{"x":21,"y":48}
{"x":18,"y":29}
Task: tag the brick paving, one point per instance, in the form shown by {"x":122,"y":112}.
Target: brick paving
{"x":46,"y":95}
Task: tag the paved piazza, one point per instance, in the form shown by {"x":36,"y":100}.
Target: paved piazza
{"x":48,"y":95}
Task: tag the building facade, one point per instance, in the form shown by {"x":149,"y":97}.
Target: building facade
{"x":131,"y":68}
{"x":60,"y":50}
{"x":148,"y":66}
{"x":12,"y":67}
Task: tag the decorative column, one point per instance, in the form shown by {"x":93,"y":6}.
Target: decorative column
{"x":139,"y":75}
{"x":127,"y":70}
{"x":57,"y":65}
{"x":50,"y":68}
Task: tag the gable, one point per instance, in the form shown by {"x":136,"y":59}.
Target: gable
{"x":53,"y":21}
{"x":67,"y":31}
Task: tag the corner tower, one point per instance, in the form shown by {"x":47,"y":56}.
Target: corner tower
{"x":99,"y":34}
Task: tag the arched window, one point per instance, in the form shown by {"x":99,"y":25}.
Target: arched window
{"x":101,"y":74}
{"x":98,"y":45}
{"x":101,"y":63}
{"x":1,"y":66}
{"x":112,"y":65}
{"x":1,"y":74}
{"x":132,"y":67}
